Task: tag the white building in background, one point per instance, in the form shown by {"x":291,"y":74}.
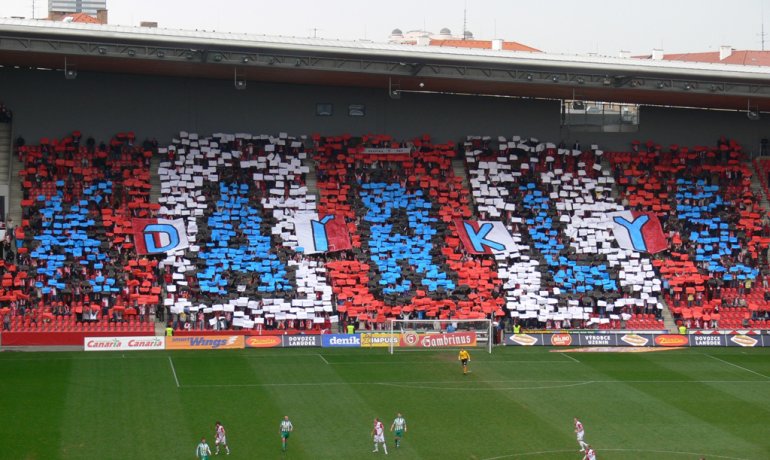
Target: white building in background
{"x":413,"y":36}
{"x":77,"y":6}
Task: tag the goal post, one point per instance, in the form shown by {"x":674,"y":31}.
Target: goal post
{"x":440,"y":333}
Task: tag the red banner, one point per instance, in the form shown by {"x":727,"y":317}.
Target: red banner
{"x":157,"y":236}
{"x":448,"y":339}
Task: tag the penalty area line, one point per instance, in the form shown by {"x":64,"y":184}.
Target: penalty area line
{"x":570,"y":357}
{"x":322,"y":358}
{"x":173,"y":371}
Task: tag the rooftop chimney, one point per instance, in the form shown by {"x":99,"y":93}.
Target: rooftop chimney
{"x":497,"y":44}
{"x":725,"y":51}
{"x":657,"y":54}
{"x":101,"y":16}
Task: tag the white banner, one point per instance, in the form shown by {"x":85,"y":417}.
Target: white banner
{"x":315,"y":235}
{"x":372,"y":151}
{"x":124,"y":343}
{"x":485,"y":237}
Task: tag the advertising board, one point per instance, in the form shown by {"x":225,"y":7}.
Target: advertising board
{"x":447,"y":339}
{"x":202,"y":342}
{"x":123,"y":343}
{"x":341,"y":340}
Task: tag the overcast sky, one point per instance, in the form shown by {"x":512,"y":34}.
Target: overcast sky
{"x":559,"y":26}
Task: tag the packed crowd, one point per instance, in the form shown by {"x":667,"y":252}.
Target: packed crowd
{"x":72,"y":260}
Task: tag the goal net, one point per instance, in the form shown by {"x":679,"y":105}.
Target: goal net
{"x":440,"y":333}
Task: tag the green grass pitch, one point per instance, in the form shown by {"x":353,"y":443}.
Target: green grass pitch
{"x":517,"y":403}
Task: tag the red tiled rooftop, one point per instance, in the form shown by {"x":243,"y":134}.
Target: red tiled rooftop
{"x":483,"y":44}
{"x":737,"y":57}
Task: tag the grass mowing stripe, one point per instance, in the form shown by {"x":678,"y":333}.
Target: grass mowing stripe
{"x":634,"y":406}
{"x":735,"y":365}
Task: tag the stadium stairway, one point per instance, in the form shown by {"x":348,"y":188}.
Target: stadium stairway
{"x":311,"y":179}
{"x":756,"y":188}
{"x":154,"y":179}
{"x":458,"y":167}
{"x":668,"y":318}
{"x":9,"y":172}
{"x":5,"y":151}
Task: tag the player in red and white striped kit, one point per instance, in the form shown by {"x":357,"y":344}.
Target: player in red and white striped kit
{"x":379,"y":436}
{"x":580,"y":433}
{"x":221,"y":438}
{"x":590,"y":453}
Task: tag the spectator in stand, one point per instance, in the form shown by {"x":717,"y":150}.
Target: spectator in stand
{"x":6,"y":116}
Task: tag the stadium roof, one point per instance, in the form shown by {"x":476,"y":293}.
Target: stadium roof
{"x":393,"y":67}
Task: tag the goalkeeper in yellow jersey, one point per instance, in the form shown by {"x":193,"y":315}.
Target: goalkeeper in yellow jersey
{"x":464,"y":357}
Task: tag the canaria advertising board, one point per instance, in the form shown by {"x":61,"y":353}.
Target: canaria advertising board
{"x":620,"y":339}
{"x":124,"y":343}
{"x":380,"y":339}
{"x":205,"y":342}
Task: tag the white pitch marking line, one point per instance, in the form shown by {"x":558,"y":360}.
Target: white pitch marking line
{"x":493,"y":362}
{"x":173,"y":371}
{"x":570,"y":357}
{"x":735,"y":365}
{"x":546,"y":452}
{"x":322,"y":358}
{"x":562,"y":382}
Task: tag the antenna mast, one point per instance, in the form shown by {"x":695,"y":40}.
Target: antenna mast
{"x":465,"y":20}
{"x":762,"y":32}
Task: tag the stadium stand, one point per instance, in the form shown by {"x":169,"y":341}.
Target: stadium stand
{"x":74,"y":268}
{"x":407,"y":261}
{"x":73,"y":263}
{"x":242,"y":269}
{"x":715,"y":275}
{"x":566,"y":271}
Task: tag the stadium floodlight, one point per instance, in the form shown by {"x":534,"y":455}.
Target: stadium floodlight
{"x":239,"y":81}
{"x":440,"y":334}
{"x":394,"y":89}
{"x":69,"y":72}
{"x":752,"y":113}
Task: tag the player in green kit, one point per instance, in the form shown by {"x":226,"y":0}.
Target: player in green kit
{"x":286,"y":429}
{"x":399,"y":425}
{"x":203,"y":451}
